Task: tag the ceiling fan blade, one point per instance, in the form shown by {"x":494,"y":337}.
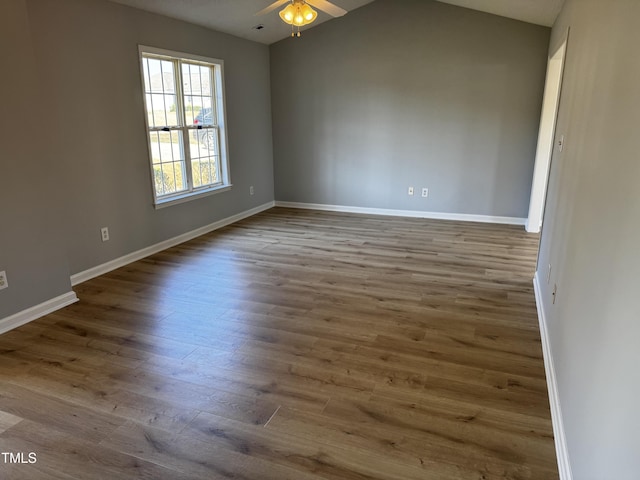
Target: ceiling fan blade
{"x":328,"y":7}
{"x":272,"y":7}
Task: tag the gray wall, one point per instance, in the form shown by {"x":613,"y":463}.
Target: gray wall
{"x":591,"y":236}
{"x":410,"y":92}
{"x":30,"y":240}
{"x":89,"y":62}
{"x":85,"y":165}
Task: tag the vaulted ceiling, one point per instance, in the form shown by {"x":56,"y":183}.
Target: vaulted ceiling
{"x":237,"y":17}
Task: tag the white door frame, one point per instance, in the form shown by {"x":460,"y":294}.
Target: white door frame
{"x":546,"y":138}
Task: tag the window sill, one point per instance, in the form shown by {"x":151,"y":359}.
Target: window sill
{"x":187,"y":197}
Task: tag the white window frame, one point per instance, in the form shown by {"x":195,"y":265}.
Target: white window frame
{"x":217,"y":65}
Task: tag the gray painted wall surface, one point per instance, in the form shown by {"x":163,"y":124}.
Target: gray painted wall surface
{"x":411,"y":92}
{"x":85,"y":165}
{"x":591,"y":236}
{"x":88,"y":57}
{"x":30,"y":241}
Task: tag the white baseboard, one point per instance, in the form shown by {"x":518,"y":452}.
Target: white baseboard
{"x":37,"y":311}
{"x":562,"y":452}
{"x":461,"y":217}
{"x":158,"y":247}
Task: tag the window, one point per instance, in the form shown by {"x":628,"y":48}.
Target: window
{"x":184,"y":101}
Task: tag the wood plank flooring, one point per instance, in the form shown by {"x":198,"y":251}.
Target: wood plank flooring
{"x":292,"y":345}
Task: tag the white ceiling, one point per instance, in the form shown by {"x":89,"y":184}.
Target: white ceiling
{"x":237,"y":16}
{"x":540,"y":12}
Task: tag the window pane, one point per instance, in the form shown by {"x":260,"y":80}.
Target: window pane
{"x":171,"y":110}
{"x":168,"y":80}
{"x":196,"y":103}
{"x":159,"y":76}
{"x":198,"y":94}
{"x":207,"y":112}
{"x":160,"y":89}
{"x":152,"y":78}
{"x":167,"y":157}
{"x":188,"y":91}
{"x":164,"y":113}
{"x":149,"y":105}
{"x":196,"y":79}
{"x":205,"y":157}
{"x":145,"y":74}
{"x":188,"y":111}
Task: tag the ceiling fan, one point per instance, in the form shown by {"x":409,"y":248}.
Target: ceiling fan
{"x":299,"y":13}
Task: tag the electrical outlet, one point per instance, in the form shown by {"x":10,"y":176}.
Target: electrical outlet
{"x":4,"y":283}
{"x":251,"y":192}
{"x":410,"y":192}
{"x":549,"y":274}
{"x":425,"y":192}
{"x":104,"y":231}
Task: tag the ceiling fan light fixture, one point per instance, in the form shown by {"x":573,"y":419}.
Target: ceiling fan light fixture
{"x":298,"y":14}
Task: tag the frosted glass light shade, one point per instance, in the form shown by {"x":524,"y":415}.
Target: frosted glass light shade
{"x":298,"y":14}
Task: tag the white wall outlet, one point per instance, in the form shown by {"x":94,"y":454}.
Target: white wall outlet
{"x":251,"y":191}
{"x":104,"y":231}
{"x":549,"y":274}
{"x":4,"y":283}
{"x":425,"y":192}
{"x":410,"y":191}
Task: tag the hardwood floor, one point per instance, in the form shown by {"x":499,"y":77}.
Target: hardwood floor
{"x":292,"y":345}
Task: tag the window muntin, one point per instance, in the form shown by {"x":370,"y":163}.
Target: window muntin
{"x":185,"y":121}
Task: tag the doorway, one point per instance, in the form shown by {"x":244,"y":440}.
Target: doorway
{"x":546,"y":139}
